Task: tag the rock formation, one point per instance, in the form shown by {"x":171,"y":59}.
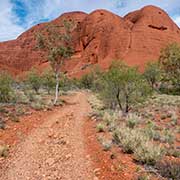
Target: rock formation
{"x":99,"y":38}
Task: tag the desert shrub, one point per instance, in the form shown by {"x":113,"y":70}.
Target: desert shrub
{"x":152,"y":74}
{"x":19,"y":110}
{"x":174,"y":118}
{"x":173,"y":152}
{"x":48,"y":80}
{"x":106,"y":145}
{"x":92,"y":79}
{"x":123,"y":86}
{"x":132,"y":120}
{"x":34,"y":80}
{"x":110,"y":117}
{"x":129,"y":139}
{"x":86,"y":81}
{"x":143,"y":177}
{"x":170,"y":63}
{"x":96,"y":103}
{"x":4,"y":150}
{"x":37,"y":106}
{"x":148,"y":153}
{"x":100,"y":127}
{"x":151,"y":132}
{"x":131,"y":123}
{"x":135,"y":141}
{"x":169,"y":169}
{"x":168,"y":136}
{"x":65,"y":83}
{"x":21,"y":97}
{"x":6,"y":89}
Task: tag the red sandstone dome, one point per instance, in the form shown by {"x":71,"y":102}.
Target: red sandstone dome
{"x":99,"y":38}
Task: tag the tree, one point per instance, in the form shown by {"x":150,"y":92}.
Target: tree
{"x":34,"y":80}
{"x":48,"y":80}
{"x":87,"y":80}
{"x":124,"y":86}
{"x":170,"y":62}
{"x":6,"y":89}
{"x":57,"y":41}
{"x":152,"y":74}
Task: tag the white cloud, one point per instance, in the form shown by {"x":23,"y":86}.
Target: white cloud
{"x":8,"y":27}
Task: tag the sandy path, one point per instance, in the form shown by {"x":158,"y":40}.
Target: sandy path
{"x":56,"y":149}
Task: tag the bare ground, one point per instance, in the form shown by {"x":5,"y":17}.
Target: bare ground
{"x":55,"y":150}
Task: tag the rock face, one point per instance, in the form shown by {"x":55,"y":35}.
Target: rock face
{"x":98,"y":38}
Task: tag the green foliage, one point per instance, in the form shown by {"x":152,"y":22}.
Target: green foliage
{"x":129,"y":139}
{"x":137,"y":142}
{"x":6,"y":89}
{"x":92,"y":80}
{"x":34,"y":80}
{"x":124,"y":86}
{"x":170,"y":62}
{"x":87,"y":81}
{"x":168,"y":136}
{"x":148,"y":153}
{"x":106,"y":145}
{"x":40,"y":41}
{"x":152,"y":74}
{"x":57,"y":41}
{"x":143,"y":177}
{"x":100,"y":127}
{"x":37,"y":106}
{"x":66,"y":83}
{"x":169,"y":169}
{"x":48,"y":80}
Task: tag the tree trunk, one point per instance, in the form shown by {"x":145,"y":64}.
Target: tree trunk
{"x":118,"y":100}
{"x":57,"y":88}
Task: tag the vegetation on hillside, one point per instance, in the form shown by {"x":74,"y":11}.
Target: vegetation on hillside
{"x":57,"y":42}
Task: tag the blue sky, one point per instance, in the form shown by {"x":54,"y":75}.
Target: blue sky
{"x":16,"y":16}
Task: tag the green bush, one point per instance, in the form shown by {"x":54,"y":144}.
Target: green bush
{"x":148,"y":153}
{"x":6,"y":89}
{"x":106,"y":145}
{"x":34,"y":80}
{"x":143,"y":177}
{"x":100,"y":127}
{"x":152,"y":74}
{"x":123,"y":86}
{"x":151,"y":132}
{"x":168,"y":136}
{"x":170,"y":62}
{"x":48,"y":80}
{"x":132,"y":120}
{"x":169,"y":169}
{"x":37,"y":106}
{"x":129,"y":139}
{"x":86,"y":81}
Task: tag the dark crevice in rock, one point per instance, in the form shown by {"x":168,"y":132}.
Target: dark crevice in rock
{"x":87,"y":43}
{"x":161,"y":28}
